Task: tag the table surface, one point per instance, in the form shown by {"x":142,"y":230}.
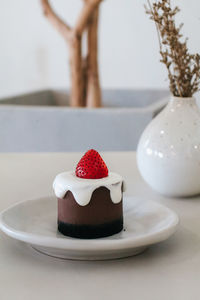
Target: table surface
{"x":169,"y":270}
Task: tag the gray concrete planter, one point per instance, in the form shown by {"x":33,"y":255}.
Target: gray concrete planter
{"x":42,"y":121}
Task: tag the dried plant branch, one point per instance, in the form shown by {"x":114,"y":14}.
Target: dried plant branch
{"x":157,"y":28}
{"x":183,"y":67}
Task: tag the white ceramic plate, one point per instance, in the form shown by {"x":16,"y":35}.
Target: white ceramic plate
{"x":35,"y":222}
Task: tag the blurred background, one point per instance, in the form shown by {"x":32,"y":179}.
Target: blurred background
{"x":33,"y":56}
{"x":34,"y":61}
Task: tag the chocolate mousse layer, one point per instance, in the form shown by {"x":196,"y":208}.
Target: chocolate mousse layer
{"x":100,"y":218}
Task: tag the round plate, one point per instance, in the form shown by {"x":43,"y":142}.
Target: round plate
{"x":35,"y":222}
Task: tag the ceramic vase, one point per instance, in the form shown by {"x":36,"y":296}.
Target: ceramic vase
{"x":168,"y":154}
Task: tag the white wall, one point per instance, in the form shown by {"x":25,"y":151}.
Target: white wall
{"x":34,"y":56}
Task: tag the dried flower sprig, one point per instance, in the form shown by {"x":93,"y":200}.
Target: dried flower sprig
{"x":183,"y":67}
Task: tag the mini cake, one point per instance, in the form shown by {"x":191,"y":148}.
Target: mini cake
{"x":89,"y":199}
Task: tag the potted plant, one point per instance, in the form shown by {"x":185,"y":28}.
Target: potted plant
{"x":168,"y":153}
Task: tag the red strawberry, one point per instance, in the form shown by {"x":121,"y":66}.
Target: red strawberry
{"x":91,"y":166}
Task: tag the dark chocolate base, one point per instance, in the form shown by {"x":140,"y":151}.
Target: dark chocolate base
{"x":90,"y":231}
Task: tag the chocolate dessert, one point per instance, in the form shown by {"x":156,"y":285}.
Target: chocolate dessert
{"x":89,"y":200}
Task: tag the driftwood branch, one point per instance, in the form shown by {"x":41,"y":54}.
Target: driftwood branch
{"x":93,"y":97}
{"x":85,"y":15}
{"x":77,"y":97}
{"x":55,"y":20}
{"x":85,"y":88}
{"x":85,"y":78}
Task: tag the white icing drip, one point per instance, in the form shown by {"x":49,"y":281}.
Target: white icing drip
{"x":82,"y":189}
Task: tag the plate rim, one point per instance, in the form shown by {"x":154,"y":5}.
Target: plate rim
{"x":66,"y":243}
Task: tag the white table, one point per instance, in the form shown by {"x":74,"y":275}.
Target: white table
{"x":168,"y":271}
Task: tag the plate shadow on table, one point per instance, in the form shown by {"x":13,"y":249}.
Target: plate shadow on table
{"x":180,"y":247}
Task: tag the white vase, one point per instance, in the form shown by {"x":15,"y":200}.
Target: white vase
{"x":168,"y":153}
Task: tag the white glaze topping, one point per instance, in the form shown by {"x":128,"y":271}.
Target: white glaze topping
{"x":82,"y":189}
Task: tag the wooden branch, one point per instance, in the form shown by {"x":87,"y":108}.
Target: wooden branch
{"x":55,"y":20}
{"x":84,"y":72}
{"x":76,"y":73}
{"x":85,"y":16}
{"x":85,"y":78}
{"x":93,"y":97}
